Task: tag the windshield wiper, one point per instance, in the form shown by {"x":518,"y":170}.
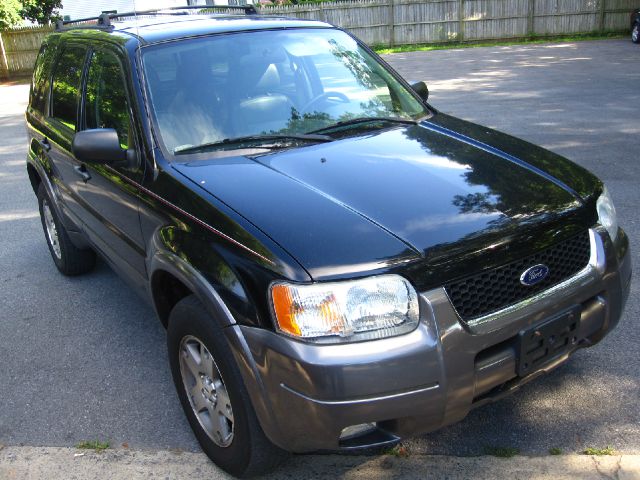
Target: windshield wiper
{"x":253,"y":139}
{"x":361,"y":120}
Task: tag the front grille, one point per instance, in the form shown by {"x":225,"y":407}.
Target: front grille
{"x":492,"y":290}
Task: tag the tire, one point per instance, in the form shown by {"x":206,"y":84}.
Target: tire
{"x":69,"y":259}
{"x":213,"y":395}
{"x":635,"y":33}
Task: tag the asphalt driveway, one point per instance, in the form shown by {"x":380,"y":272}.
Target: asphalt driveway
{"x":84,"y":358}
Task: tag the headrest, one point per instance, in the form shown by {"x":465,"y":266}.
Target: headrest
{"x":194,"y":70}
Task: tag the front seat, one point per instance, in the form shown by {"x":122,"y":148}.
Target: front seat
{"x":194,"y":116}
{"x":263,"y":110}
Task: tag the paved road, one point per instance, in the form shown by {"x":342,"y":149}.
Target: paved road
{"x":60,"y":463}
{"x":84,"y":358}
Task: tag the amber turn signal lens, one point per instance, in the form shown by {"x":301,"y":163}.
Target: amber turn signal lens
{"x":284,"y":309}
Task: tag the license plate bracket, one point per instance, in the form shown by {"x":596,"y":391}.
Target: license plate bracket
{"x":543,"y":342}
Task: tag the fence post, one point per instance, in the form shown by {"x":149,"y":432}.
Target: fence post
{"x":321,"y":14}
{"x":601,"y":15}
{"x":4,"y":65}
{"x":530,"y":16}
{"x":460,"y":20}
{"x":392,"y":23}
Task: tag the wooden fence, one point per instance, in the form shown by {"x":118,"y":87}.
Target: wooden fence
{"x":404,"y":22}
{"x":19,"y":48}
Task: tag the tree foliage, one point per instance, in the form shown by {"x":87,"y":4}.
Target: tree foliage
{"x":10,"y":13}
{"x":40,"y":11}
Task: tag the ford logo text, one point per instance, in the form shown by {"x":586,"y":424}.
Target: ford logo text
{"x":533,"y":275}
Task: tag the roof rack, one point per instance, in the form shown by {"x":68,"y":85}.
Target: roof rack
{"x":103,"y":21}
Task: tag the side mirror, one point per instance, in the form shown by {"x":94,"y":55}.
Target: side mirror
{"x":100,"y":145}
{"x":421,"y":89}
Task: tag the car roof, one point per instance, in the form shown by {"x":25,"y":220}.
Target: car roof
{"x":165,"y":27}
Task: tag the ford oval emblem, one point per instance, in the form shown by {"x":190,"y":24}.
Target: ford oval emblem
{"x":533,"y":275}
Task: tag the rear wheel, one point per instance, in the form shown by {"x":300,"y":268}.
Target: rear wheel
{"x":635,"y":33}
{"x":69,"y":259}
{"x":213,"y":395}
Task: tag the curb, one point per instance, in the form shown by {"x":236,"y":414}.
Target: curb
{"x":58,"y":463}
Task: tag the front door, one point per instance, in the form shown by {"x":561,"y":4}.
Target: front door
{"x":109,"y":193}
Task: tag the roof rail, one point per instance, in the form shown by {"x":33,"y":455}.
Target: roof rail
{"x":248,"y":9}
{"x":103,"y":21}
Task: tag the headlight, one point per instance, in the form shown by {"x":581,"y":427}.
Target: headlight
{"x":365,"y":309}
{"x":607,"y":214}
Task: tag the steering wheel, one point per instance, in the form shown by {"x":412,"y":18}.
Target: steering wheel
{"x":325,"y":96}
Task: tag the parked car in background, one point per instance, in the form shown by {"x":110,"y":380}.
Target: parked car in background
{"x":338,"y":264}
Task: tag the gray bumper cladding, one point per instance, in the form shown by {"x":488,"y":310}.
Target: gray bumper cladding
{"x":306,"y":395}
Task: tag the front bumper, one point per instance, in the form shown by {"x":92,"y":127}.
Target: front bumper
{"x":305,"y":395}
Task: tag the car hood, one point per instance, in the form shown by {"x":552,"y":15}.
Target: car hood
{"x":433,"y":192}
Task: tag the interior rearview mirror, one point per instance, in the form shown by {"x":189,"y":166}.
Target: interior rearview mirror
{"x":100,"y":145}
{"x":421,"y":89}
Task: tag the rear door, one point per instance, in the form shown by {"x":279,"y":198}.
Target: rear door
{"x":62,"y":123}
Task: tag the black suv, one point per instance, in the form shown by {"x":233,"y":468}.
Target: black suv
{"x":337,"y":264}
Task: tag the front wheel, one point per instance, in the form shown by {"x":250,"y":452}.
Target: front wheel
{"x":635,"y":33}
{"x":213,"y":395}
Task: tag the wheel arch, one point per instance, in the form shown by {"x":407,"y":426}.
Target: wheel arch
{"x":34,"y":177}
{"x":39,"y":176}
{"x":172,"y":279}
{"x":170,"y":270}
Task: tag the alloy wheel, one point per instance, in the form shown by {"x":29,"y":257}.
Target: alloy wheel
{"x":52,"y":231}
{"x":206,"y":391}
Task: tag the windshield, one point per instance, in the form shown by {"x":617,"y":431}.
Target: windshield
{"x":211,"y":90}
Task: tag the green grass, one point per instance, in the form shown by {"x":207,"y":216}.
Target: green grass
{"x":555,"y":451}
{"x":497,"y":43}
{"x":502,"y":452}
{"x":96,"y":445}
{"x":600,"y":451}
{"x":398,"y":451}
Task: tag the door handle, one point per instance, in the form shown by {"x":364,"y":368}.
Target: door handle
{"x":46,"y":146}
{"x":82,"y":171}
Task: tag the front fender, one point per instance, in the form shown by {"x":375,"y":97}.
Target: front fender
{"x":165,"y":260}
{"x":196,"y":263}
{"x":195,"y":282}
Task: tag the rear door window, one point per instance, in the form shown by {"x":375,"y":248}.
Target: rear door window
{"x":66,"y":85}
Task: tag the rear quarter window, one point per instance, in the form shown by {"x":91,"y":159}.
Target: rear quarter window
{"x":41,"y":78}
{"x":66,"y":85}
